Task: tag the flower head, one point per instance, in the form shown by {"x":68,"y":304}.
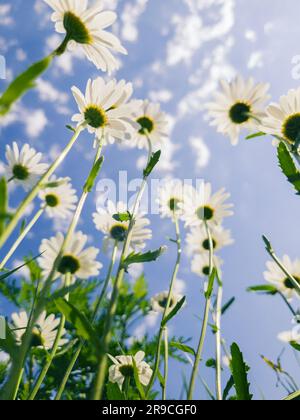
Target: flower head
{"x":239,"y":105}
{"x":77,"y":260}
{"x":292,"y":336}
{"x":85,"y":27}
{"x":200,"y":264}
{"x":159,"y":301}
{"x":44,"y":331}
{"x":106,"y":110}
{"x":24,"y":165}
{"x":170,"y":195}
{"x":123,"y":368}
{"x":152,"y":124}
{"x":197,"y":240}
{"x":115,"y":231}
{"x":203,"y":206}
{"x":60,"y":199}
{"x":280,"y":280}
{"x":283,"y":119}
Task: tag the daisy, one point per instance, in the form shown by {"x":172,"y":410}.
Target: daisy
{"x":117,"y":231}
{"x":152,"y":124}
{"x":290,"y":336}
{"x":171,"y":194}
{"x":84,"y":26}
{"x":277,"y":278}
{"x":44,"y":332}
{"x":59,"y":200}
{"x":123,"y":368}
{"x":198,"y":242}
{"x":200,"y":264}
{"x":202,"y":205}
{"x":24,"y":165}
{"x":77,"y":260}
{"x":159,"y":301}
{"x":283,"y":119}
{"x":239,"y":105}
{"x":106,"y":110}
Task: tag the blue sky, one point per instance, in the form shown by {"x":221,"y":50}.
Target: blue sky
{"x":177,"y":52}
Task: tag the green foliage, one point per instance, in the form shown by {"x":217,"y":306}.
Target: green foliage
{"x":288,"y":166}
{"x":152,"y":163}
{"x":228,"y":305}
{"x":255,"y":135}
{"x":264,"y":289}
{"x":122,"y":217}
{"x":183,"y":347}
{"x":89,"y":185}
{"x":174,"y":312}
{"x":140,"y":258}
{"x":211,"y":283}
{"x":239,"y":371}
{"x":3,"y":204}
{"x":22,"y":84}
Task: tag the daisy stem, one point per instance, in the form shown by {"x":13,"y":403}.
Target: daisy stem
{"x":21,"y":237}
{"x":204,"y":323}
{"x":102,"y":368}
{"x":34,"y":192}
{"x":50,"y":358}
{"x":166,"y":311}
{"x":96,"y":310}
{"x":166,"y":371}
{"x":218,"y":344}
{"x":287,"y":303}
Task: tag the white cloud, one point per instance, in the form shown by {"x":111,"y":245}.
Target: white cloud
{"x":201,"y":151}
{"x":130,"y":18}
{"x":5,"y":18}
{"x":48,"y":93}
{"x":255,"y":60}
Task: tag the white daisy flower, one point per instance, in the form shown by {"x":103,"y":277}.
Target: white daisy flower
{"x":277,"y":278}
{"x":202,"y":205}
{"x":24,"y":165}
{"x":44,"y":332}
{"x":239,"y":105}
{"x":59,"y":200}
{"x":115,"y":231}
{"x":290,"y":336}
{"x":283,"y":119}
{"x":85,"y":27}
{"x":106,"y":110}
{"x":152,"y":123}
{"x":197,"y":240}
{"x":170,"y":195}
{"x":159,"y":301}
{"x":200,"y":264}
{"x":123,"y":368}
{"x":77,"y":260}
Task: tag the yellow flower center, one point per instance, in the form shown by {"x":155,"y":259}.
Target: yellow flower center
{"x":291,"y":128}
{"x":95,"y":116}
{"x":52,"y":200}
{"x":239,"y":113}
{"x":147,"y":125}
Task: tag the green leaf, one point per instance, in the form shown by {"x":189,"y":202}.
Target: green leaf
{"x":293,"y":397}
{"x":122,"y":217}
{"x":140,"y":258}
{"x":211,"y":282}
{"x":3,"y":203}
{"x":183,"y":347}
{"x":174,"y":312}
{"x":211,"y":363}
{"x":22,"y":84}
{"x":161,"y":379}
{"x":61,"y":293}
{"x":137,"y":381}
{"x":266,"y":289}
{"x":152,"y":163}
{"x":228,"y":305}
{"x":239,"y":372}
{"x":288,"y":166}
{"x":228,"y":388}
{"x":80,"y":322}
{"x":255,"y":135}
{"x":9,"y":345}
{"x":89,"y":185}
{"x":9,"y":273}
{"x":295,"y":345}
{"x":140,"y":288}
{"x":114,"y":393}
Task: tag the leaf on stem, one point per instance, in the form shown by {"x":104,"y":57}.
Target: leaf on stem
{"x":140,"y":258}
{"x":174,"y":312}
{"x":3,"y":203}
{"x":89,"y":185}
{"x":227,"y":305}
{"x":122,"y":217}
{"x":255,"y":135}
{"x":239,"y":371}
{"x":288,"y":166}
{"x":211,"y":283}
{"x":183,"y":347}
{"x":265,"y":289}
{"x":114,"y":393}
{"x":9,"y":273}
{"x":152,"y":163}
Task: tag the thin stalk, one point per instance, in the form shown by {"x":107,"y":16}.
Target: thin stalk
{"x":21,"y":237}
{"x":43,"y":373}
{"x":288,"y":304}
{"x":96,"y":310}
{"x":34,"y":192}
{"x":102,"y":367}
{"x":19,"y":362}
{"x":198,"y":357}
{"x":166,"y":371}
{"x":171,"y":288}
{"x":219,"y":345}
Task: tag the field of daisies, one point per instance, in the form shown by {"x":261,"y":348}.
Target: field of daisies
{"x":110,"y":298}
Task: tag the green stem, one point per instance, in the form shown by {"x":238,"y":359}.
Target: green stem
{"x":204,"y":324}
{"x":50,"y":358}
{"x":34,"y":192}
{"x":288,"y":304}
{"x":20,"y":238}
{"x":219,"y":345}
{"x":97,"y":307}
{"x":171,"y":288}
{"x":166,"y":371}
{"x":102,"y":367}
